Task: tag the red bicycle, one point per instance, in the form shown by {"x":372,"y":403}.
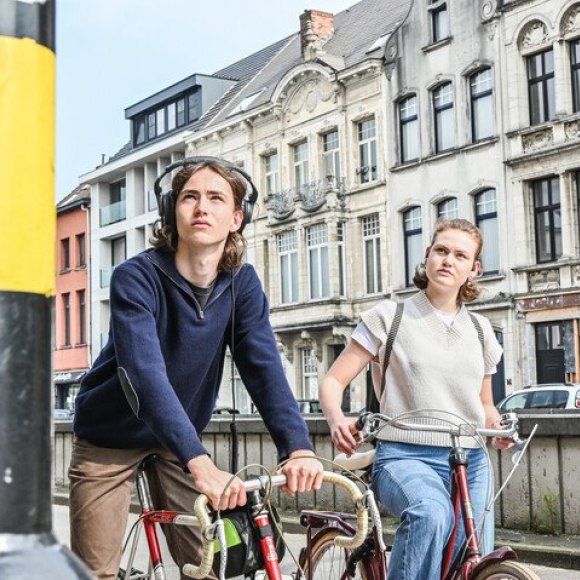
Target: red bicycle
{"x":369,"y":561}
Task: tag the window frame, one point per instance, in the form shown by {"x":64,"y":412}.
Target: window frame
{"x":65,"y":255}
{"x":331,"y":156}
{"x":82,"y":320}
{"x":271,"y":174}
{"x":403,"y":123}
{"x":371,"y":237}
{"x":367,"y":147}
{"x":475,"y":98}
{"x":438,"y":110}
{"x":292,"y":265}
{"x":575,"y":74}
{"x":66,"y":305}
{"x":444,"y":213}
{"x":551,"y":208}
{"x":81,"y":243}
{"x":436,"y":11}
{"x":543,"y":79}
{"x":301,"y":165}
{"x":482,"y":217}
{"x":318,"y":250}
{"x":309,"y":373}
{"x":407,"y":235}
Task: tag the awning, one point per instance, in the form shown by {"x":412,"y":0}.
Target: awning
{"x":63,"y":377}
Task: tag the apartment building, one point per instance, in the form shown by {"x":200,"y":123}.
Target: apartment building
{"x":360,"y":131}
{"x":71,"y":340}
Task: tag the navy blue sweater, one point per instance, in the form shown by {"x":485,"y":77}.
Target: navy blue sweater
{"x":156,"y":381}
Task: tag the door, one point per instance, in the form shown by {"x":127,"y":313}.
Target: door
{"x":550,"y":352}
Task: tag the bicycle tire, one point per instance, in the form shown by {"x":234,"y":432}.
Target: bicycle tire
{"x":506,"y":570}
{"x":328,"y":560}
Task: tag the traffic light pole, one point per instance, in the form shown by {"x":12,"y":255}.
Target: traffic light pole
{"x":28,"y":548}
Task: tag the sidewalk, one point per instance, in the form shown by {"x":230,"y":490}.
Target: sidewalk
{"x":555,"y":551}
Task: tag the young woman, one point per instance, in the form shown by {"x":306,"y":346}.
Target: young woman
{"x":437,"y":362}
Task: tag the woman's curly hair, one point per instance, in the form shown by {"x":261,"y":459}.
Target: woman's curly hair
{"x":470,"y":289}
{"x":165,"y":232}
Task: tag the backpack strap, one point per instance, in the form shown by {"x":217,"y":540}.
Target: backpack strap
{"x":390,"y":341}
{"x":478,"y":328}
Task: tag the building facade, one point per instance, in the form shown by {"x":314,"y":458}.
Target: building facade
{"x":72,"y":310}
{"x":360,"y":131}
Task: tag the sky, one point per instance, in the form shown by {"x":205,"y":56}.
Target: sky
{"x":113,"y":53}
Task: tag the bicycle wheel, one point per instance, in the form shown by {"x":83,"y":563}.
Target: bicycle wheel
{"x":506,"y":570}
{"x":328,"y":560}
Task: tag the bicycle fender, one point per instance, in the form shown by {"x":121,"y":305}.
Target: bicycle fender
{"x":499,"y":555}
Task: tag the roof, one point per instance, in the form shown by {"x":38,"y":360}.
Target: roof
{"x":356,"y":30}
{"x":80,"y":195}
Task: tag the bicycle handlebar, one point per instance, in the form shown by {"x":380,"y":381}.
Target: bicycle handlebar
{"x":371,"y":423}
{"x":200,"y":509}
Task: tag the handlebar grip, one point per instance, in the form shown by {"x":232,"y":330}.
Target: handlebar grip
{"x":362,"y":521}
{"x":358,"y":425}
{"x":205,"y":566}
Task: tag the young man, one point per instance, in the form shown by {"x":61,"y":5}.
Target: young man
{"x":153,"y":387}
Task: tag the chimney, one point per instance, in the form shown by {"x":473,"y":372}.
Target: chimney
{"x":316,"y":28}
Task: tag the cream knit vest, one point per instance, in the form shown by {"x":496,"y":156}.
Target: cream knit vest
{"x":432,"y":366}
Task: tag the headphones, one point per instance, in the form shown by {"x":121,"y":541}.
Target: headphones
{"x":166,"y":199}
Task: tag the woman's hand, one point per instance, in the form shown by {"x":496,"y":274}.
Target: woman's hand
{"x":303,"y":472}
{"x":344,"y":435}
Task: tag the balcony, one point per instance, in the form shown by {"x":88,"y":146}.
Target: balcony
{"x":113,"y":213}
{"x":151,"y":201}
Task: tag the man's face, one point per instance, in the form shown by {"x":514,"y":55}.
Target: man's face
{"x":204,"y":212}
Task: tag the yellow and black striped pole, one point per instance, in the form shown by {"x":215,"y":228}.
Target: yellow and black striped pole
{"x":27,"y":284}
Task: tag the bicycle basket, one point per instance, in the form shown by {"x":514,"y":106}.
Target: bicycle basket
{"x":243,"y":542}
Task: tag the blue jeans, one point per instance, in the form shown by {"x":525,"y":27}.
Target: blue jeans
{"x":413,"y":483}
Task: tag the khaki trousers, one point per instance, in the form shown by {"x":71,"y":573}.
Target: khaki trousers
{"x":101,"y":484}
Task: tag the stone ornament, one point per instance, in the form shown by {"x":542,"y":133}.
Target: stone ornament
{"x":544,"y":280}
{"x":535,"y":34}
{"x":488,"y":10}
{"x":572,"y":130}
{"x":538,"y":140}
{"x":309,"y":95}
{"x":571,"y":22}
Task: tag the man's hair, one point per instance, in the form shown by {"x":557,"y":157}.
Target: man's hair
{"x":165,"y":234}
{"x":470,"y":290}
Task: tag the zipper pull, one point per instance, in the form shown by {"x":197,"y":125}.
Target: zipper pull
{"x":201,"y":314}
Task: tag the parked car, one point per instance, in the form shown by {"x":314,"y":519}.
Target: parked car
{"x":544,"y":396}
{"x":225,"y":411}
{"x":63,"y":414}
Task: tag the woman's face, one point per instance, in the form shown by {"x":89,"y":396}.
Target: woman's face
{"x":451,"y":260}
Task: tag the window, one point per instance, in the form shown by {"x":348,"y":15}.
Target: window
{"x":547,"y":219}
{"x":439,"y":20}
{"x":180,"y":112}
{"x":447,"y":209}
{"x":577,"y":178}
{"x":486,"y":221}
{"x":367,"y":147}
{"x":541,"y":87}
{"x":371,"y":232}
{"x":301,"y":165}
{"x":81,"y":252}
{"x":444,"y":117}
{"x":317,"y":242}
{"x":139,"y":130}
{"x":118,"y":191}
{"x":81,"y":301}
{"x":413,"y":242}
{"x":151,"y":126}
{"x":193,"y":106}
{"x":575,"y":64}
{"x":66,"y":318}
{"x":340,"y":242}
{"x":243,"y":402}
{"x":309,"y":374}
{"x":331,"y":155}
{"x":171,"y":118}
{"x":288,"y":254}
{"x":118,"y":251}
{"x":160,"y":121}
{"x":409,"y":129}
{"x":271,"y":173}
{"x":481,"y":90}
{"x":65,"y":254}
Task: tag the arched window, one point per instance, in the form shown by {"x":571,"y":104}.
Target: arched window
{"x":444,"y":119}
{"x":447,"y":209}
{"x":409,"y":129}
{"x":486,"y":221}
{"x":481,"y":93}
{"x":412,"y":228}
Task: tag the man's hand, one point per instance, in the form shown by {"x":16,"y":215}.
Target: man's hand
{"x":304,"y":473}
{"x":211,"y":481}
{"x":341,"y":430}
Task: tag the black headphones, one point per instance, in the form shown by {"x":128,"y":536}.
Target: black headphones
{"x":166,"y":199}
